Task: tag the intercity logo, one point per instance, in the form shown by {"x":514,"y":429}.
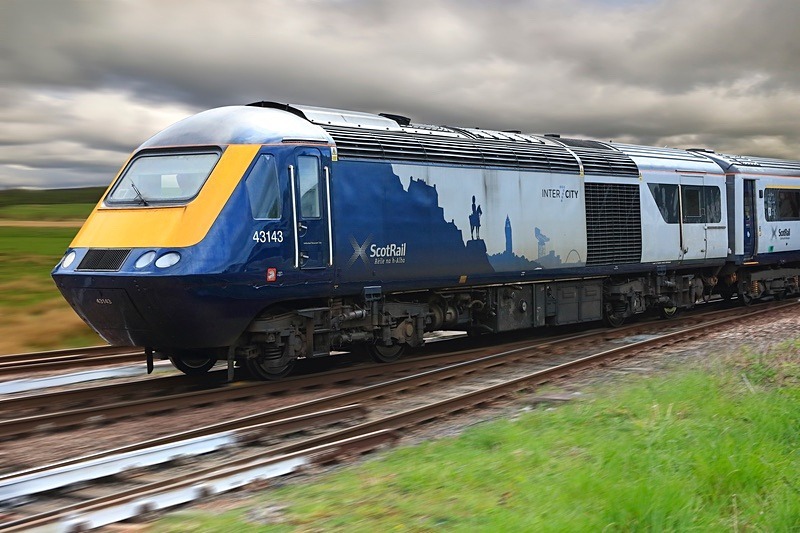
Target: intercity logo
{"x":561,"y":193}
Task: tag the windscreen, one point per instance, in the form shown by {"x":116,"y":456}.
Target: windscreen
{"x":163,"y":179}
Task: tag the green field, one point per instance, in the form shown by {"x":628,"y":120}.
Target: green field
{"x":85,"y":195}
{"x":46,"y":212}
{"x":35,"y":315}
{"x":707,"y":449}
{"x":28,"y":255}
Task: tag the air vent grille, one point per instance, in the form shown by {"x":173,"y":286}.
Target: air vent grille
{"x":104,"y":259}
{"x":362,"y":143}
{"x":604,"y":162}
{"x":613,"y":224}
{"x":403,"y":146}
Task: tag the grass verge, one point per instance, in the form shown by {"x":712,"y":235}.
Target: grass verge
{"x":708,"y":449}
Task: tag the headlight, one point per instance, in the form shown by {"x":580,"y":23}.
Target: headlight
{"x":68,"y":259}
{"x":168,"y":259}
{"x":145,"y":259}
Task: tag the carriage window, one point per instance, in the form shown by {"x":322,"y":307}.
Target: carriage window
{"x":701,"y":204}
{"x":782,"y":204}
{"x":263,"y":188}
{"x":163,"y":179}
{"x":308,"y":185}
{"x":713,"y":202}
{"x":691,"y":203}
{"x":666,"y":197}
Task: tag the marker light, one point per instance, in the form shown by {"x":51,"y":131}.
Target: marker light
{"x":145,"y":259}
{"x":168,"y":259}
{"x":68,"y":259}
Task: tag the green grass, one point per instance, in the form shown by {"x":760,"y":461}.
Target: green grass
{"x":46,"y":211}
{"x":84,"y":195}
{"x":27,"y":256}
{"x":35,"y":316}
{"x":711,"y":449}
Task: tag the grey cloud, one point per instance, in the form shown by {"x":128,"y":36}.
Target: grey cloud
{"x":107,"y":75}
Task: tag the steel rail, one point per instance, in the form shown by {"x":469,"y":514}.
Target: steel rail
{"x":158,"y":451}
{"x":39,"y":363}
{"x":64,"y":352}
{"x":161,"y":495}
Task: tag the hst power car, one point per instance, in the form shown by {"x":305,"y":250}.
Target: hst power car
{"x":268,"y":233}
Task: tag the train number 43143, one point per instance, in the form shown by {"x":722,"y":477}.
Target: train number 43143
{"x":268,"y":236}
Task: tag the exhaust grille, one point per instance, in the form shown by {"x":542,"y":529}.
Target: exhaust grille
{"x":597,"y":159}
{"x":613,"y":224}
{"x":359,"y":143}
{"x":104,"y":259}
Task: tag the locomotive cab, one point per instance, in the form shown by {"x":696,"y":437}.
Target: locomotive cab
{"x":204,"y":228}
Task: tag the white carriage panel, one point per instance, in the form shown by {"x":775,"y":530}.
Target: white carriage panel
{"x":533,"y":216}
{"x":694,"y":233}
{"x":661,"y":242}
{"x":717,"y":231}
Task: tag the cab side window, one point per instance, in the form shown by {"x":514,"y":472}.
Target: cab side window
{"x":263,"y":189}
{"x":308,"y":183}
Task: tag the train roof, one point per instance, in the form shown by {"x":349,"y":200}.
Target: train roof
{"x":393,"y":137}
{"x":359,"y":135}
{"x":756,"y":165}
{"x":672,"y":159}
{"x":238,"y":125}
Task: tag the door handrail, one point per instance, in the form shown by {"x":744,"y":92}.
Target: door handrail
{"x":330,"y":214}
{"x":294,"y":219}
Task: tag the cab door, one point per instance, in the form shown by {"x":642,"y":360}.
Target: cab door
{"x":311,"y":206}
{"x":749,"y":222}
{"x":693,"y":231}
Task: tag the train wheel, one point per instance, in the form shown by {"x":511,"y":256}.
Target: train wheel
{"x":269,"y":368}
{"x":668,"y":312}
{"x":613,"y":317}
{"x":193,"y":364}
{"x":386,"y":354}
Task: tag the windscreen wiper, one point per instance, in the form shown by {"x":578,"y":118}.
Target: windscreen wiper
{"x":139,"y":194}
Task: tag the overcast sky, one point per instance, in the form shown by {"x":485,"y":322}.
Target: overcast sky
{"x":82,"y":83}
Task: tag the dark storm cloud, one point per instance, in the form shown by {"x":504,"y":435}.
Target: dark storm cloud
{"x":82,"y":83}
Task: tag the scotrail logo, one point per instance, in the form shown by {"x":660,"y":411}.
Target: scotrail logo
{"x":781,"y":233}
{"x":359,"y":251}
{"x":389,"y":254}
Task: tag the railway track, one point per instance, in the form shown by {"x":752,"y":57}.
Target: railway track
{"x":69,"y":358}
{"x":103,"y":404}
{"x":364,"y":417}
{"x":72,"y":358}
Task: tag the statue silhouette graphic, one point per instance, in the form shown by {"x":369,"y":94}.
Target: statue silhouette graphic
{"x":475,"y":221}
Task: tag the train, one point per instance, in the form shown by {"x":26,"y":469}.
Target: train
{"x":263,"y":234}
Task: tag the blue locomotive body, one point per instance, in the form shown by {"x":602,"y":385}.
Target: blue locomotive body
{"x":268,"y":233}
